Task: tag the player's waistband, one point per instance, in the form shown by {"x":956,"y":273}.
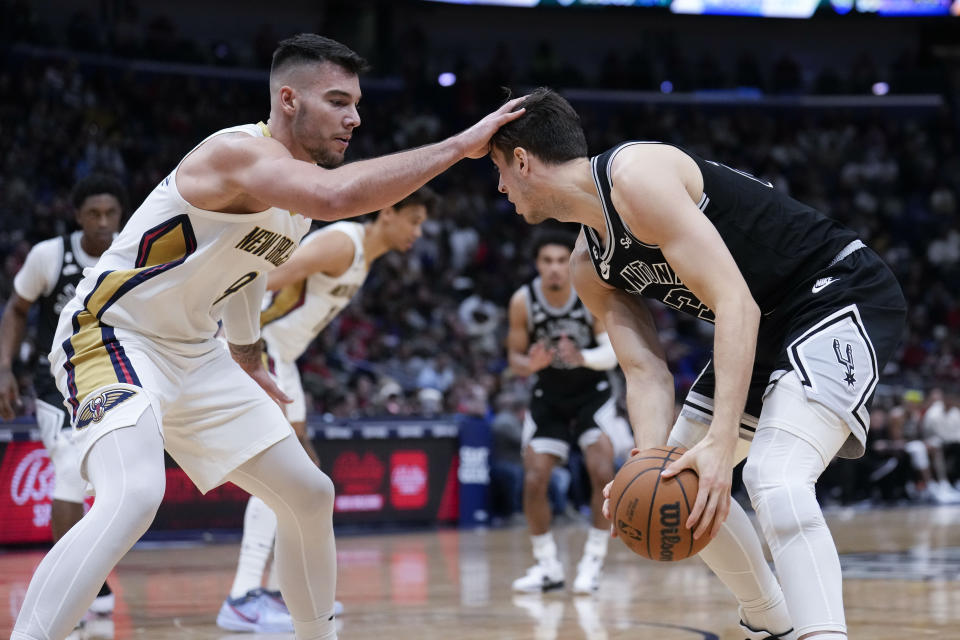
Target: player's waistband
{"x":856,"y":245}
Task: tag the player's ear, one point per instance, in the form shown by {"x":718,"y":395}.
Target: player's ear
{"x":523,"y":161}
{"x":288,"y":97}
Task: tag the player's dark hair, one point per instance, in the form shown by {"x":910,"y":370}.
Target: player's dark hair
{"x":549,"y":129}
{"x":547,"y":237}
{"x":424,"y":195}
{"x":96,"y":184}
{"x":311,"y":48}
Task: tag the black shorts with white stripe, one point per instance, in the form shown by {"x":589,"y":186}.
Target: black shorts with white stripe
{"x":851,"y":314}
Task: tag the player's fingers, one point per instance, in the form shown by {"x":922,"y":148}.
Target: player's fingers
{"x":683,"y":462}
{"x":272,"y":389}
{"x":510,"y":117}
{"x":613,"y":531}
{"x":698,"y":508}
{"x":9,"y":401}
{"x":606,"y":509}
{"x":606,"y":489}
{"x":634,"y":451}
{"x":511,"y":104}
{"x":706,"y":520}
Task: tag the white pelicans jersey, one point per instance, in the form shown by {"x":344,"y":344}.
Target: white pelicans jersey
{"x":299,"y":311}
{"x":170,"y":276}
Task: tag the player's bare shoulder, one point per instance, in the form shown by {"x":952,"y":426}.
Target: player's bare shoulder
{"x":518,"y":304}
{"x":212,"y":175}
{"x":640,"y":168}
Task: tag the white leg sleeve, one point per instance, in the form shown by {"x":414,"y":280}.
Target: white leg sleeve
{"x":736,"y":554}
{"x":301,"y":496}
{"x":780,"y":474}
{"x":259,"y":529}
{"x":126,"y":469}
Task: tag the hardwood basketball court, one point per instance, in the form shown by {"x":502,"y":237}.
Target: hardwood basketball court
{"x":901,"y":567}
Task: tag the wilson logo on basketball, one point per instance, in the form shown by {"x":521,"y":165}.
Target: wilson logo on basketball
{"x":669,"y":529}
{"x":32,"y":479}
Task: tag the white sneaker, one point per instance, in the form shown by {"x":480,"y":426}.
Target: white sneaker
{"x":588,"y":574}
{"x":256,"y":611}
{"x":540,"y":578}
{"x":943,"y":493}
{"x":103,"y":605}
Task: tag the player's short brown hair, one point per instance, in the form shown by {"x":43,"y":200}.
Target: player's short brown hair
{"x":311,"y":48}
{"x":549,"y":129}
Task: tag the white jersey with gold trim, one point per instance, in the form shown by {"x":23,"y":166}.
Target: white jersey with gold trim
{"x":299,"y":311}
{"x":170,"y":276}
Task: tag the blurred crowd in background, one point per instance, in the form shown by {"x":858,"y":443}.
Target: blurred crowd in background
{"x":426,"y":334}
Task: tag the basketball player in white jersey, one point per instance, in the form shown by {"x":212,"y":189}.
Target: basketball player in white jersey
{"x":49,"y":278}
{"x":311,"y":288}
{"x":135,"y":354}
{"x":554,"y":337}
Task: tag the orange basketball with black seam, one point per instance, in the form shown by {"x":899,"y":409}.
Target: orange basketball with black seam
{"x":650,"y":512}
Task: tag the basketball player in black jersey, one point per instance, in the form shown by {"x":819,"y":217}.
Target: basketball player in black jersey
{"x":553,"y":336}
{"x":805,"y":317}
{"x":49,"y":278}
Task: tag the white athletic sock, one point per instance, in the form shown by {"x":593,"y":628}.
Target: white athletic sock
{"x":597,"y":541}
{"x":544,"y":548}
{"x":259,"y":529}
{"x":273,"y":582}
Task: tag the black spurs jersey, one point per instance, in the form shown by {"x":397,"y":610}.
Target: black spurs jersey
{"x":547,"y":324}
{"x":69,"y":275}
{"x":775,"y":240}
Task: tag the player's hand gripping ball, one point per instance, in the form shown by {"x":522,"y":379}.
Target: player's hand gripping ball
{"x":649,"y":512}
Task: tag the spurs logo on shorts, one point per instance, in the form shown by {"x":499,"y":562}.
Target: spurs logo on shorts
{"x":97,"y":407}
{"x":846,"y":360}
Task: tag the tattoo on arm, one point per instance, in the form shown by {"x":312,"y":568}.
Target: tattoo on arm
{"x":248,"y":356}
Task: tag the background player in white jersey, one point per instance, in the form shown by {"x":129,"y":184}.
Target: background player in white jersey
{"x":553,"y":336}
{"x":135,"y":354}
{"x":49,"y":278}
{"x":310,"y":289}
{"x":805,"y":318}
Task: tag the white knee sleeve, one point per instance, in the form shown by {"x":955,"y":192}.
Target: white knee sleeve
{"x":780,"y":475}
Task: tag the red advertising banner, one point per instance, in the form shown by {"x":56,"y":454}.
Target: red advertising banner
{"x":26,"y":492}
{"x":385,"y":472}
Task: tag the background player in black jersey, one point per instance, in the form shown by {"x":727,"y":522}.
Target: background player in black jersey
{"x":805,"y":317}
{"x":555,"y":337}
{"x":49,"y":277}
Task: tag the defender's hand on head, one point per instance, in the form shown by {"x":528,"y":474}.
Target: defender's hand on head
{"x":475,"y":141}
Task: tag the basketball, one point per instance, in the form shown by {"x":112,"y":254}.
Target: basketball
{"x":650,"y":512}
